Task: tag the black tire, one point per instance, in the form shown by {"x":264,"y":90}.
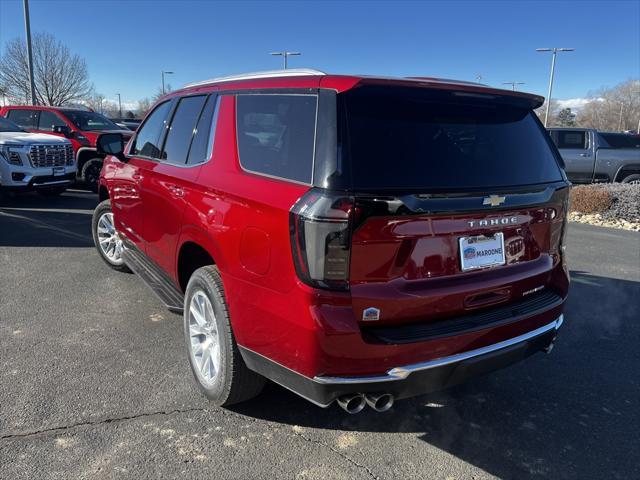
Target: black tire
{"x":102,"y":209}
{"x":634,"y":178}
{"x":52,"y":192}
{"x":234,"y":382}
{"x":91,"y":173}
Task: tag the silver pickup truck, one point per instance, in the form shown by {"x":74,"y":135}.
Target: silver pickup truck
{"x":34,"y":161}
{"x":591,"y":156}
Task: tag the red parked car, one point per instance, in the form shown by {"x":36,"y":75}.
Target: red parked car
{"x":351,"y":238}
{"x":80,"y":126}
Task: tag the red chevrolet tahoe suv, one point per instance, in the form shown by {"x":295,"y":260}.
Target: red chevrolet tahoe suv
{"x":81,"y":127}
{"x":350,"y":238}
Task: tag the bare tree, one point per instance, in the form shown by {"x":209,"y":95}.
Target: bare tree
{"x":95,"y":102}
{"x":144,"y":104}
{"x":616,"y":108}
{"x":159,"y":93}
{"x":553,"y":112}
{"x":60,"y":76}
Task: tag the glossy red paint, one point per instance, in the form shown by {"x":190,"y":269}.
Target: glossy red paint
{"x":408,"y":267}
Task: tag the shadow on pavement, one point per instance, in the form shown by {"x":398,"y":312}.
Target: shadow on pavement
{"x":570,"y":414}
{"x":32,"y":220}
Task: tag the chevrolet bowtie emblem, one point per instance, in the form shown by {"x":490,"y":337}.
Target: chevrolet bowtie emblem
{"x":493,"y":200}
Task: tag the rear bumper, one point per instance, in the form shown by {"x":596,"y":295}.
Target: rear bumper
{"x":409,"y":380}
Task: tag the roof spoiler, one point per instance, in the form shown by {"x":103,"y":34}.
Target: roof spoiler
{"x":443,"y":89}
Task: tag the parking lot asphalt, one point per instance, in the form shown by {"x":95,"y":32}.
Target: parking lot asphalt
{"x":94,"y":381}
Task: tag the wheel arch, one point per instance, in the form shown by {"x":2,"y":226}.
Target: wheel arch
{"x":85,"y":154}
{"x":627,"y":170}
{"x":103,"y":193}
{"x":194,"y":252}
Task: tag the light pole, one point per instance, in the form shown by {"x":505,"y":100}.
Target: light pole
{"x":27,"y":27}
{"x":513,"y":84}
{"x":119,"y":105}
{"x":554,"y":50}
{"x":164,"y":72}
{"x":285,"y":55}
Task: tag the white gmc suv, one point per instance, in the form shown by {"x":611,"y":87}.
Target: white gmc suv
{"x":34,"y":161}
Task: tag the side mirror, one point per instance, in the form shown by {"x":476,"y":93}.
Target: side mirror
{"x":62,"y":129}
{"x":111,"y":144}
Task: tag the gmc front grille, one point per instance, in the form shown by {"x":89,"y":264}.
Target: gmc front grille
{"x":51,"y":155}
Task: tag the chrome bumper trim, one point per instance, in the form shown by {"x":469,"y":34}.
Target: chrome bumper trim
{"x":401,"y":373}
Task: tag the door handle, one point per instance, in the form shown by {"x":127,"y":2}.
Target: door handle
{"x":176,"y":191}
{"x":585,"y":154}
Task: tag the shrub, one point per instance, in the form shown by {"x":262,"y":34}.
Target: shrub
{"x":589,"y":199}
{"x":619,"y":201}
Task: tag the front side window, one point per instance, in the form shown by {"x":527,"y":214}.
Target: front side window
{"x":573,"y":139}
{"x":183,"y":124}
{"x":147,"y":141}
{"x":24,"y":118}
{"x":49,"y":120}
{"x":276,"y":134}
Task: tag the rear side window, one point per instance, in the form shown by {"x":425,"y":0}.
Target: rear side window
{"x":410,"y":141}
{"x":573,"y":139}
{"x":183,"y":124}
{"x":202,"y":144}
{"x":48,"y":120}
{"x":24,"y":118}
{"x":147,"y":142}
{"x":276,"y":134}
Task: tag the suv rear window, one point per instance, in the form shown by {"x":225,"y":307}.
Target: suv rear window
{"x":276,"y":134}
{"x":411,"y":141}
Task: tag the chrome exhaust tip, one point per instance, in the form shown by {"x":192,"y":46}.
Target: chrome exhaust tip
{"x":352,"y":403}
{"x":549,"y":347}
{"x":380,"y":402}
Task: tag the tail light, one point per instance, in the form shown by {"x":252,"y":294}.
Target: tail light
{"x":320,"y":226}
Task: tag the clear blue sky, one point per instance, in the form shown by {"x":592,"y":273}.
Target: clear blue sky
{"x":127,"y":43}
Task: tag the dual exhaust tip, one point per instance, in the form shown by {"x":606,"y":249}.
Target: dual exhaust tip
{"x":355,"y":402}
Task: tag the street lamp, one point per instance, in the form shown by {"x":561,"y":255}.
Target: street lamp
{"x":119,"y":105}
{"x":27,"y":28}
{"x":554,"y":50}
{"x":164,"y":72}
{"x":285,"y":55}
{"x":513,"y":84}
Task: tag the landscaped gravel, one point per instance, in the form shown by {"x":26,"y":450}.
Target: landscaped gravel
{"x":600,"y":220}
{"x":620,"y":210}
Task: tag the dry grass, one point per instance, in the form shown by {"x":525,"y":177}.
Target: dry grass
{"x":589,"y":199}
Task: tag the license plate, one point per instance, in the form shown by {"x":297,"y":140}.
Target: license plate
{"x":481,"y":251}
{"x":58,"y":171}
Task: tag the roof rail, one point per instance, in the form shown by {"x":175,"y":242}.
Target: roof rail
{"x":292,"y":72}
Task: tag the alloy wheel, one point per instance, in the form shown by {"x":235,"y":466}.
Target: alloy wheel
{"x":108,"y":239}
{"x":204,"y":343}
